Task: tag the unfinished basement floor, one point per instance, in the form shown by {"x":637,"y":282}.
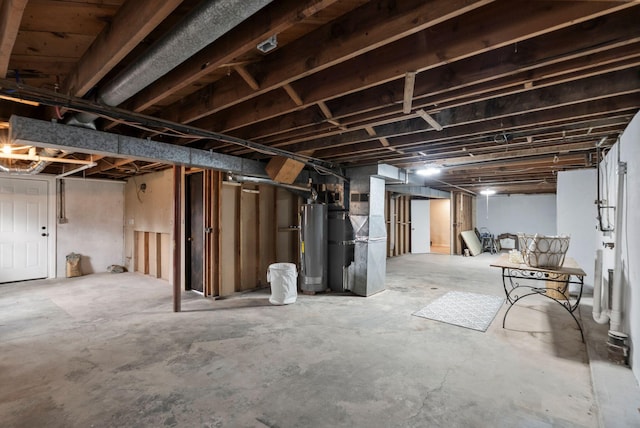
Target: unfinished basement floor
{"x":105,"y":350}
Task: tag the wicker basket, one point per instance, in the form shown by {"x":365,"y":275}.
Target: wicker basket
{"x":543,"y":251}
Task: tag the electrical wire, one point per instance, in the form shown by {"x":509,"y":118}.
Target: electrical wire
{"x":141,"y":121}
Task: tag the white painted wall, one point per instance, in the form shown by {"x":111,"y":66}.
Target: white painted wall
{"x":95,"y":213}
{"x":517,"y":213}
{"x":627,"y":234}
{"x":577,"y":216}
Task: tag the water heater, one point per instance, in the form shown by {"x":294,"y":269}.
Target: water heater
{"x":313,"y":247}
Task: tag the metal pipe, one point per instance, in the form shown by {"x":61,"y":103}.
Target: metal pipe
{"x":616,"y":298}
{"x":205,"y":24}
{"x":37,"y":166}
{"x":599,"y":316}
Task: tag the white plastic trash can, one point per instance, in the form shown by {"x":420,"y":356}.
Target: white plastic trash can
{"x":283,"y":279}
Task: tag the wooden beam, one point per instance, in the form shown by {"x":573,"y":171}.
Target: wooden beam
{"x":531,"y":20}
{"x":593,"y":39}
{"x":293,"y":94}
{"x":545,"y":59}
{"x":412,"y":52}
{"x":547,"y":98}
{"x":247,"y":77}
{"x":105,"y":166}
{"x":325,"y":110}
{"x":511,"y":154}
{"x":409,"y":83}
{"x":275,"y":18}
{"x":10,"y":17}
{"x":131,"y":24}
{"x":385,"y":23}
{"x":429,"y":119}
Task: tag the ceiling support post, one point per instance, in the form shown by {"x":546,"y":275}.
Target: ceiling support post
{"x":177,"y":237}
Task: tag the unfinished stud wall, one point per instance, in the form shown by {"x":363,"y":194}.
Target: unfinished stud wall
{"x":398,"y":221}
{"x":253,"y":232}
{"x":249,"y":228}
{"x":463,"y":218}
{"x":148,"y":224}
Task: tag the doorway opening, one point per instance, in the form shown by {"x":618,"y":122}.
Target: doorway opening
{"x":440,"y":226}
{"x":194,"y":228}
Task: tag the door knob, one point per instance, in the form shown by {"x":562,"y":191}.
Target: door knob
{"x":44,"y":234}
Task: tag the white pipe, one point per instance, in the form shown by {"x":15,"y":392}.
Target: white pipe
{"x":39,"y":158}
{"x":73,"y":171}
{"x":598,"y":315}
{"x":616,"y":294}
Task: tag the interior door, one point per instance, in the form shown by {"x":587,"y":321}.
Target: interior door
{"x":420,"y":226}
{"x":24,"y":232}
{"x":195,"y":232}
{"x":462,"y":219}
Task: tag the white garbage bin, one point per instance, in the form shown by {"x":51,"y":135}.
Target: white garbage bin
{"x":283,"y":279}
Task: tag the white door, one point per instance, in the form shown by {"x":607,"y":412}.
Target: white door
{"x":23,"y":229}
{"x":420,"y":226}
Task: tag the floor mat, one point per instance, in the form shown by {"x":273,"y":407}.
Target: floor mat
{"x":470,"y":310}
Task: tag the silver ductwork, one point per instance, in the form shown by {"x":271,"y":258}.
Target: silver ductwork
{"x":205,"y":24}
{"x":35,"y":167}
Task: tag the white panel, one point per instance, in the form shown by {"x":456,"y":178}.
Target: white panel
{"x":420,"y":226}
{"x":32,"y":224}
{"x":6,"y":255}
{"x":6,"y":216}
{"x":32,"y":259}
{"x":23,"y":213}
{"x":577,"y":216}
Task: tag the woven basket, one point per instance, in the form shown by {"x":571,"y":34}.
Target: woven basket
{"x":543,"y":251}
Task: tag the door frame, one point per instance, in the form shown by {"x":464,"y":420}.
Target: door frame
{"x":52,"y":224}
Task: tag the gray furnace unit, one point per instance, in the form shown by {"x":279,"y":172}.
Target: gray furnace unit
{"x":341,"y":247}
{"x":313,"y":247}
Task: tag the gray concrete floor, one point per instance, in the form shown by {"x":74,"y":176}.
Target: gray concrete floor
{"x":105,"y":350}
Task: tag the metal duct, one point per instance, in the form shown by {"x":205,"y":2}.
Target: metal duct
{"x":205,"y":24}
{"x":35,"y":167}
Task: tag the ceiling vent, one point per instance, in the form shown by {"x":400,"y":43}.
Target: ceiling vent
{"x":268,"y":45}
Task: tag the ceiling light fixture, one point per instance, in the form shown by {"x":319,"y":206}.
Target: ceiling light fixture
{"x":268,"y":45}
{"x":488,"y":192}
{"x":6,"y":148}
{"x":429,"y":170}
{"x":429,"y":119}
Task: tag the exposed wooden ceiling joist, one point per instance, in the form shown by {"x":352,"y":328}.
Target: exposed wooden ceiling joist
{"x":510,"y":82}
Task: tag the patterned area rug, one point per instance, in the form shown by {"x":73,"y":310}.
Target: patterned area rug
{"x":470,"y":310}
